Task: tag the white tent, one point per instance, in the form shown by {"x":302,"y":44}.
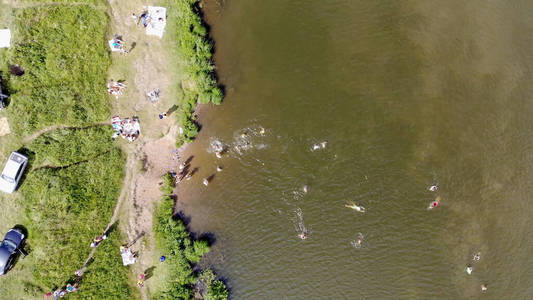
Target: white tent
{"x":5,"y":38}
{"x":158,"y":21}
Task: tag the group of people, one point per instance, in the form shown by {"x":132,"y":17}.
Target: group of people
{"x":469,"y":268}
{"x":128,"y":128}
{"x":60,"y":293}
{"x":118,"y":44}
{"x":115,"y":88}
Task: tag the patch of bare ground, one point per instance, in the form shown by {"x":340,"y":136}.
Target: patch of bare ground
{"x":146,"y":67}
{"x":4,"y":127}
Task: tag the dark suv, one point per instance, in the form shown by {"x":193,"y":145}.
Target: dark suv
{"x":11,"y":247}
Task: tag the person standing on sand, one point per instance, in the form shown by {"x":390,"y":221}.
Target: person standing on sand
{"x":140,"y":282}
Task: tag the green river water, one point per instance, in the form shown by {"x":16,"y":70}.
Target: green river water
{"x":407,"y":94}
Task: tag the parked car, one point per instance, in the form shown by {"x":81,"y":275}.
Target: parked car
{"x":12,"y":172}
{"x":10,"y":249}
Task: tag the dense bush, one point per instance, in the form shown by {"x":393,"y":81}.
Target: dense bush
{"x":196,"y":50}
{"x":62,"y":49}
{"x":181,"y":249}
{"x":212,"y":288}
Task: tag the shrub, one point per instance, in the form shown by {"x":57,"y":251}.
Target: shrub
{"x":196,"y":50}
{"x":182,"y":252}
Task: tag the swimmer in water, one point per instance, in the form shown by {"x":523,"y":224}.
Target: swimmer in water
{"x":435,"y":203}
{"x":469,"y":270}
{"x":355,"y":207}
{"x":306,"y":189}
{"x":303,"y":235}
{"x":477,"y":256}
{"x":359,"y":241}
{"x":433,"y":188}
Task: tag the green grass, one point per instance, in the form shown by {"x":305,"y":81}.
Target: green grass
{"x":63,"y":147}
{"x":63,"y":51}
{"x":69,"y":198}
{"x":66,"y":208}
{"x":195,"y":50}
{"x":182,"y":252}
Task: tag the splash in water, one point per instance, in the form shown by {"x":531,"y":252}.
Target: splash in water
{"x":216,"y":146}
{"x":301,"y":225}
{"x":358,"y":242}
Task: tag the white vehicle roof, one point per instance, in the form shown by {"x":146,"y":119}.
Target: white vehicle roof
{"x":13,"y":164}
{"x":5,"y":38}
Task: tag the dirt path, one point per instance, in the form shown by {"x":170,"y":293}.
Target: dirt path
{"x":36,"y":134}
{"x":146,"y":67}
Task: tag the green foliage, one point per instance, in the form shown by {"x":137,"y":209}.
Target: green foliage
{"x":62,"y":49}
{"x":181,"y":251}
{"x":63,"y":147}
{"x":196,"y":50}
{"x":217,"y":291}
{"x":214,"y":289}
{"x":168,"y":184}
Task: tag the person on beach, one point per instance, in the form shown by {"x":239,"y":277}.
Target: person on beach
{"x":162,"y":115}
{"x":206,"y":182}
{"x":97,"y":240}
{"x":303,"y":235}
{"x":483,"y":287}
{"x":433,"y":188}
{"x":219,"y":169}
{"x":140,"y":282}
{"x":355,"y":207}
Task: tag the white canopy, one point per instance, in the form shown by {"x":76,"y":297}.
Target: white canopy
{"x":5,"y":38}
{"x":158,"y":21}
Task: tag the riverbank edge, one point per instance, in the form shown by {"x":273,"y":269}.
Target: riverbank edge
{"x":183,"y":252}
{"x":196,"y":49}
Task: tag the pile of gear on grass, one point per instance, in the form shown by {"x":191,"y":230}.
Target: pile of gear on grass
{"x":127,"y":128}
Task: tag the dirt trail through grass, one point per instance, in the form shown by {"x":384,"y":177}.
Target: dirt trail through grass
{"x":36,"y":134}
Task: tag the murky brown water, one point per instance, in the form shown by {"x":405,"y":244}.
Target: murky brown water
{"x":407,"y":94}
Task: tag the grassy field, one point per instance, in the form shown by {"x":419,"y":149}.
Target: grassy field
{"x":69,"y":195}
{"x":66,"y":71}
